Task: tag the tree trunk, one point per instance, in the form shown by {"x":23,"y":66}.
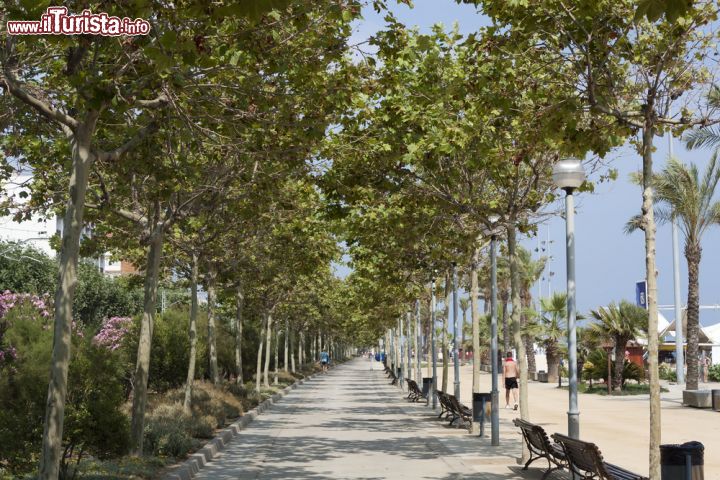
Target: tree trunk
{"x":620,"y":344}
{"x":418,"y":344}
{"x":527,"y":339}
{"x":277,"y":359}
{"x":293,"y":347}
{"x":287,"y":346}
{"x":462,"y":336}
{"x":443,"y":337}
{"x":693,"y":253}
{"x":504,"y":297}
{"x":261,"y":345}
{"x":553,"y":361}
{"x":82,"y":159}
{"x":212,"y":340}
{"x":475,"y":316}
{"x":516,"y":329}
{"x":301,"y":349}
{"x":239,"y":304}
{"x":142,"y":367}
{"x":268,"y":346}
{"x":193,"y":332}
{"x":649,"y":227}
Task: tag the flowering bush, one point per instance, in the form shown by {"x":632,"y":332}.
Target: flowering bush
{"x":112,"y":332}
{"x":94,"y":421}
{"x":9,"y":300}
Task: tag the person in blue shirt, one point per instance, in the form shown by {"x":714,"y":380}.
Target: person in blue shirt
{"x":324,"y":360}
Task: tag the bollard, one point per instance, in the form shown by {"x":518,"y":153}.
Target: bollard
{"x":682,"y":462}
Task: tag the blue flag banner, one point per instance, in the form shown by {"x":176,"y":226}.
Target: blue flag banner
{"x":641,"y":294}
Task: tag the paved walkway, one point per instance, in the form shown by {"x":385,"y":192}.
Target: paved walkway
{"x":349,"y":423}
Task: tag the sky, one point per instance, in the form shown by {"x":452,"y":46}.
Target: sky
{"x":608,"y":262}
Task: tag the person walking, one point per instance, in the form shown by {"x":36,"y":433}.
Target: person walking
{"x":510,"y":374}
{"x":324,"y":360}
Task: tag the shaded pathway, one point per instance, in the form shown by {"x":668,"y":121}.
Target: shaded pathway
{"x":344,"y":424}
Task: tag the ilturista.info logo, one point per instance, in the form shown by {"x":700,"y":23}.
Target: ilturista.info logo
{"x":57,"y":21}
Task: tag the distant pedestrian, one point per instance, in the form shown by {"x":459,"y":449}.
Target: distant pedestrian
{"x":705,"y":367}
{"x":510,"y":374}
{"x":324,"y":360}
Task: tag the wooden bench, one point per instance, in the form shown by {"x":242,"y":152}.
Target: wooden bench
{"x":460,"y":411}
{"x":452,"y":409}
{"x":393,"y":377}
{"x":586,"y":461}
{"x":414,"y":392}
{"x":540,"y":446}
{"x":445,"y":405}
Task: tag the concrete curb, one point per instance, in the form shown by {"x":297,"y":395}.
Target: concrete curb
{"x":198,"y":460}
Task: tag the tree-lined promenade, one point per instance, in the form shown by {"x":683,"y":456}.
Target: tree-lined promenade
{"x":244,"y":150}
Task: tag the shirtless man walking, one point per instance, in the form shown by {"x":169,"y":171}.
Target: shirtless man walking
{"x":510,"y":374}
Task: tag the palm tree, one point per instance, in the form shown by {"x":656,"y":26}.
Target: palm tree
{"x":621,"y":324}
{"x":530,"y":271}
{"x":551,"y":331}
{"x":681,"y":195}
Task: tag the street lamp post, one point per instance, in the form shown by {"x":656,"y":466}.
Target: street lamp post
{"x":494,"y":393}
{"x":568,"y":175}
{"x":432,"y":343}
{"x":418,"y":343}
{"x":456,"y":358}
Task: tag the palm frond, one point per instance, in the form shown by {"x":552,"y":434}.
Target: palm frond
{"x":635,"y":223}
{"x":707,"y":137}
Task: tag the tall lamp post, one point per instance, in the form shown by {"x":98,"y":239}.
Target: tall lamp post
{"x":432,"y":344}
{"x":494,"y":393}
{"x":456,"y":359}
{"x":568,"y":175}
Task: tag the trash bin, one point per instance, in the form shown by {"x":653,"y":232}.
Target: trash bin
{"x":427,"y":384}
{"x":480,"y":400}
{"x":715,"y":400}
{"x":682,"y":462}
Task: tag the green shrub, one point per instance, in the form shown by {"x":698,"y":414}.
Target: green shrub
{"x":596,"y":368}
{"x":94,"y":423}
{"x":98,"y":297}
{"x":168,"y":431}
{"x":23,"y":268}
{"x":667,"y":372}
{"x":204,"y":426}
{"x":714,"y":373}
{"x":170,"y":349}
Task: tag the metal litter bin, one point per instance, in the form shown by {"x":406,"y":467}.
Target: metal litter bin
{"x":682,"y":462}
{"x":427,"y":385}
{"x":715,"y":394}
{"x":478,"y":409}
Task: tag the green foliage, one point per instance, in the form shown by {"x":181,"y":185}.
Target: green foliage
{"x":171,"y":348}
{"x":168,"y":431}
{"x":596,"y":368}
{"x":23,"y":387}
{"x":94,"y":422}
{"x":667,"y":372}
{"x":714,"y":373}
{"x":24,"y":269}
{"x":99,"y":297}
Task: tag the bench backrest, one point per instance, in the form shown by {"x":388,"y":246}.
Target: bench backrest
{"x":457,"y":406}
{"x":444,"y":398}
{"x":535,"y":434}
{"x":583,"y":456}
